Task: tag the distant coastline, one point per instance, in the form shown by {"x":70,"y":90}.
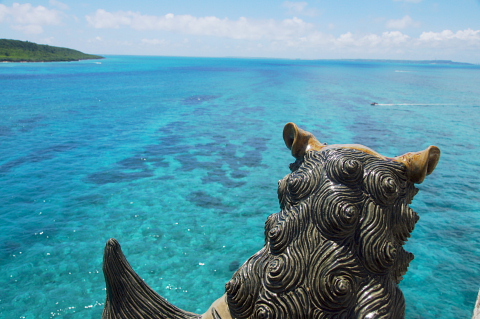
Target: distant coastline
{"x":444,"y":62}
{"x":24,"y":51}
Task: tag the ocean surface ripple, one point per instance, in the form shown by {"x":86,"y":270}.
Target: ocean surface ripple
{"x":179,"y":158}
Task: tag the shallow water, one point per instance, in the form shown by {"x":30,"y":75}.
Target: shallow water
{"x":179,"y":158}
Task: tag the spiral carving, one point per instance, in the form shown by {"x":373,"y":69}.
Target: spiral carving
{"x":334,"y":279}
{"x":294,"y":304}
{"x":243,"y":289}
{"x":380,"y":298}
{"x":344,"y":168}
{"x":279,"y":236}
{"x":405,"y":219}
{"x":287,"y":270}
{"x":303,"y":181}
{"x":385,"y":183}
{"x":375,"y":243}
{"x":283,"y":228}
{"x":282,"y":194}
{"x":338,"y":211}
{"x":400,"y":268}
{"x":265,"y":311}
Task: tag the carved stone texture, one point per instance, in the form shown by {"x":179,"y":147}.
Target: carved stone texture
{"x":333,"y":251}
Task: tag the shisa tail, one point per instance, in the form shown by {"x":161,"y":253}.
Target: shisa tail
{"x":128,"y":296}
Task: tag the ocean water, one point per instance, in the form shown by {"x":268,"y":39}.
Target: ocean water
{"x":179,"y":158}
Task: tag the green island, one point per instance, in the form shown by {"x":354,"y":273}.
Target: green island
{"x":24,"y":51}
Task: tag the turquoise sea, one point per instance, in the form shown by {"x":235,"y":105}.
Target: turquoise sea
{"x":179,"y":158}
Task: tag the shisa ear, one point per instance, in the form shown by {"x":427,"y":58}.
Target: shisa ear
{"x":420,"y":164}
{"x":300,"y":141}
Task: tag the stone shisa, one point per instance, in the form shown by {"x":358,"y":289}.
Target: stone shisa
{"x":333,"y":251}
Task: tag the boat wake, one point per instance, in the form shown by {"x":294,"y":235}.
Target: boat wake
{"x":412,"y":104}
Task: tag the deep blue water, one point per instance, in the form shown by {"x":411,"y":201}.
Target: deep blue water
{"x":179,"y":158}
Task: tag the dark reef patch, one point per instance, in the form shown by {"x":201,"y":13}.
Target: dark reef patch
{"x":30,"y":123}
{"x":205,"y":200}
{"x":218,"y":159}
{"x":220,"y":176}
{"x":90,"y":199}
{"x":30,"y":120}
{"x":188,"y":162}
{"x":5,"y":130}
{"x":38,"y":156}
{"x":199,"y":99}
{"x":115,"y":176}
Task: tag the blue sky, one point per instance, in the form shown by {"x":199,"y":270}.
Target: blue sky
{"x":316,"y":29}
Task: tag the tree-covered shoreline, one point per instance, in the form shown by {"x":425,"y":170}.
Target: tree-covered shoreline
{"x":24,"y":51}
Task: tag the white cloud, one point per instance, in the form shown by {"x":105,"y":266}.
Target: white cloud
{"x":276,"y":38}
{"x":469,"y":35}
{"x":243,"y":28}
{"x":397,"y":45}
{"x":386,"y":39}
{"x":464,"y":41}
{"x":346,"y":39}
{"x":3,"y":12}
{"x":29,"y":19}
{"x":348,"y":42}
{"x":28,"y":14}
{"x":97,"y":39}
{"x":299,"y":8}
{"x":29,"y":28}
{"x":154,"y":41}
{"x":403,"y":23}
{"x":49,"y":40}
{"x":60,"y":5}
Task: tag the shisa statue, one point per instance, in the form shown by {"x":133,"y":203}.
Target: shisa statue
{"x":335,"y":249}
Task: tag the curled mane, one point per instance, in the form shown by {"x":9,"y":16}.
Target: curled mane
{"x":335,"y":248}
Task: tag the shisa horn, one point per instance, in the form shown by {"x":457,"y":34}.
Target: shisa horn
{"x":300,"y":141}
{"x":420,"y":164}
